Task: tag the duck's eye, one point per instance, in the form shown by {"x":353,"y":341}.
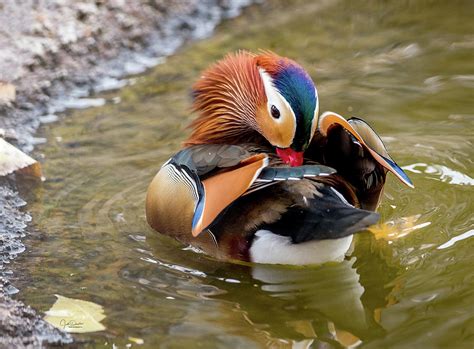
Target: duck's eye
{"x":275,"y":112}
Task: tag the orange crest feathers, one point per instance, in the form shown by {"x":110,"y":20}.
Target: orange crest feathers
{"x":227,"y":98}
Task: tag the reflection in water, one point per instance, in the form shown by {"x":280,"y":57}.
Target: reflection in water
{"x":324,"y":290}
{"x":455,"y":239}
{"x":293,"y":305}
{"x":331,"y":294}
{"x":406,"y":67}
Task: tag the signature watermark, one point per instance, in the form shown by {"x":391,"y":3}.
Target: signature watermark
{"x":70,"y":324}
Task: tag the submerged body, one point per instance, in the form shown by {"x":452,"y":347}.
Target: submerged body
{"x":253,"y":182}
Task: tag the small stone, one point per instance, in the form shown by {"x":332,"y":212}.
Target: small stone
{"x":7,"y":93}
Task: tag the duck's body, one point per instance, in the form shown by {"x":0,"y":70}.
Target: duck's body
{"x":230,"y":191}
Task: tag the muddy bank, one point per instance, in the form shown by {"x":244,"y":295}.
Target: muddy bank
{"x":53,"y":54}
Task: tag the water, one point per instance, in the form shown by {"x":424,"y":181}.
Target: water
{"x":406,"y":67}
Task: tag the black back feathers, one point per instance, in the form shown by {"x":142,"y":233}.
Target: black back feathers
{"x":320,"y":218}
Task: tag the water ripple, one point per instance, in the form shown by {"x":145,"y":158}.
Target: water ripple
{"x":455,"y":239}
{"x":443,"y":173}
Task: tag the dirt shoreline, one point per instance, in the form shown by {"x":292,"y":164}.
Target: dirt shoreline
{"x":52,"y":55}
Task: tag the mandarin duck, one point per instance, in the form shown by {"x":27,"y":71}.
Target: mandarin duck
{"x":263,"y":178}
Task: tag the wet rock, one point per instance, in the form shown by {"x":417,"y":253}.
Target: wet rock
{"x":12,"y":225}
{"x":21,"y":327}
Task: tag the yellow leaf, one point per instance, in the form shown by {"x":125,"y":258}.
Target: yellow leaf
{"x":138,"y":341}
{"x":75,"y":315}
{"x":398,"y":228}
{"x":12,"y":159}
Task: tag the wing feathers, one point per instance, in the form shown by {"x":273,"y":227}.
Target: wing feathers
{"x":205,"y":158}
{"x":295,"y":173}
{"x":222,"y":189}
{"x":364,"y":134}
{"x":172,"y":198}
{"x":327,"y":217}
{"x":272,"y":175}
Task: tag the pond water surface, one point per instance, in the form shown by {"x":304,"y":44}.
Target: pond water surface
{"x":405,"y":66}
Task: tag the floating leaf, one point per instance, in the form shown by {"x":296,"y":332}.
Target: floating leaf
{"x":136,"y":340}
{"x":75,"y":315}
{"x":12,"y":159}
{"x":398,"y":228}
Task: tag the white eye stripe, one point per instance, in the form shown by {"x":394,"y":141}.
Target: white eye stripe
{"x":275,"y":98}
{"x":314,"y":122}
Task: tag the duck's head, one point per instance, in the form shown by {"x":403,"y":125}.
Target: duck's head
{"x":247,"y":97}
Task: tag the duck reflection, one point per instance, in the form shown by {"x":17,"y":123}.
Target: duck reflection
{"x":331,"y":291}
{"x":330,"y":305}
{"x":322,"y":303}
